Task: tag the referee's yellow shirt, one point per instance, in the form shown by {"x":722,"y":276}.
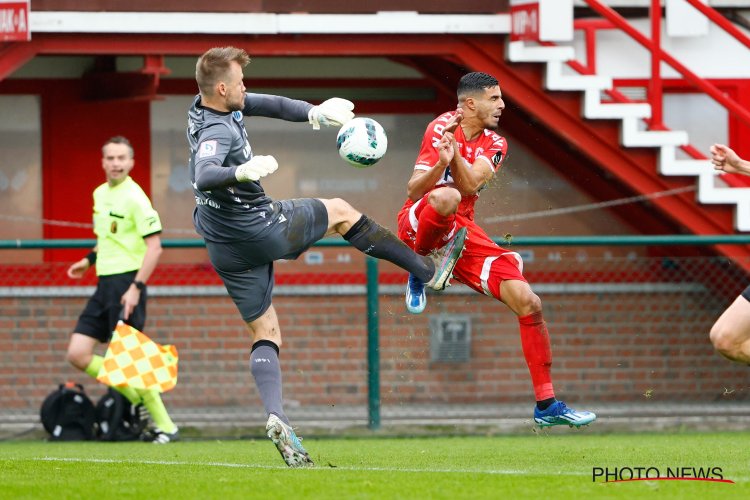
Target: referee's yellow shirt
{"x":123,"y":216}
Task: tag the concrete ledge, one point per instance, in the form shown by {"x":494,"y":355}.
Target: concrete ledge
{"x":415,"y":420}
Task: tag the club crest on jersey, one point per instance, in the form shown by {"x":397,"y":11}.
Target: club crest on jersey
{"x":206,"y":149}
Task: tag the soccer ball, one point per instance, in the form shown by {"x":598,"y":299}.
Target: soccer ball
{"x":362,"y":142}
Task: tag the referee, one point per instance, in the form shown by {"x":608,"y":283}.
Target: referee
{"x":127,"y":250}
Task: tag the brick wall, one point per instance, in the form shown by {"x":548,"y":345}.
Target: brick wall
{"x":606,"y":347}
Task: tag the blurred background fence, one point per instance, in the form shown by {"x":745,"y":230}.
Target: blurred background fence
{"x":628,"y":317}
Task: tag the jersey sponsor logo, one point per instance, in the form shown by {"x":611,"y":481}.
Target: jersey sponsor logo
{"x":206,"y":149}
{"x":237,"y":115}
{"x":498,"y":158}
{"x":207,"y":202}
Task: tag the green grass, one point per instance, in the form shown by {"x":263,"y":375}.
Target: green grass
{"x":555,"y":464}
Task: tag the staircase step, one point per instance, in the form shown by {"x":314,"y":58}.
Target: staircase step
{"x":631,"y":134}
{"x":594,"y":108}
{"x":632,"y":137}
{"x":708,"y":192}
{"x":519,"y":52}
{"x":742,"y":215}
{"x":556,"y":80}
{"x":670,"y":165}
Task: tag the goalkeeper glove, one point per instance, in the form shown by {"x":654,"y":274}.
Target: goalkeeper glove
{"x":334,"y":111}
{"x":257,"y":167}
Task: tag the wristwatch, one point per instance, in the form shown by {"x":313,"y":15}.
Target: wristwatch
{"x":140,"y":285}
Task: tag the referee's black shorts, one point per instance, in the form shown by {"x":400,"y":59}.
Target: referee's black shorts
{"x":246,"y":267}
{"x":102,"y":311}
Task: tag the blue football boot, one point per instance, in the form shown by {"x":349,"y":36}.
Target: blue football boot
{"x":559,"y":414}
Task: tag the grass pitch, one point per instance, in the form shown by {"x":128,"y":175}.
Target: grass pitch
{"x":554,"y":464}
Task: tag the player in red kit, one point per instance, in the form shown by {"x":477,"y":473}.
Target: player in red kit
{"x":460,"y":153}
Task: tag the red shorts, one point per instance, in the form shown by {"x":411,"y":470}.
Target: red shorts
{"x":482,"y":266}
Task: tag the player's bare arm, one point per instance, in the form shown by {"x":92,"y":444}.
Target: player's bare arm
{"x":467,"y":180}
{"x":423,"y":180}
{"x":726,"y":160}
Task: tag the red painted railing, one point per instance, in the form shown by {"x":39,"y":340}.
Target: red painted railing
{"x":613,"y":20}
{"x":659,"y":55}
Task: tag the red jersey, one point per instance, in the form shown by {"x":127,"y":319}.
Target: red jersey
{"x":489,"y":146}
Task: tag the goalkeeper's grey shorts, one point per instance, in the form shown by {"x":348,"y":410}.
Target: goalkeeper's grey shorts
{"x":246,"y":267}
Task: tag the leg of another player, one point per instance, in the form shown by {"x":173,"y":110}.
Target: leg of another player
{"x":519,"y":297}
{"x":266,"y":370}
{"x":730,"y":335}
{"x":373,"y":239}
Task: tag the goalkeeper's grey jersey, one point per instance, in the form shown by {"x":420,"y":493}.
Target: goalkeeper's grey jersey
{"x":227,"y":210}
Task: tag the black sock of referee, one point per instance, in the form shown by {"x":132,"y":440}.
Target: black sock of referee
{"x":373,"y":239}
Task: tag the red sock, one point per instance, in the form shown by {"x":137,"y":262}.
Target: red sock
{"x":536,"y":350}
{"x":432,"y":228}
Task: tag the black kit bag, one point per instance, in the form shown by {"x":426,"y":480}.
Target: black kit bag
{"x":118,"y":419}
{"x":68,"y":414}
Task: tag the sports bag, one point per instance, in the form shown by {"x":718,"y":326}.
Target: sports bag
{"x":68,"y":414}
{"x":117,"y":418}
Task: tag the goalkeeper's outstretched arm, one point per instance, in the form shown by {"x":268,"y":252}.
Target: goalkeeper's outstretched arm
{"x":332,"y":112}
{"x":276,"y":106}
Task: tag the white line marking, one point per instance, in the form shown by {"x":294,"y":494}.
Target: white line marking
{"x":497,"y":472}
{"x":271,"y":467}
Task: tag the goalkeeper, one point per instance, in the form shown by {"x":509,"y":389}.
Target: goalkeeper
{"x":127,"y":250}
{"x":245,"y":230}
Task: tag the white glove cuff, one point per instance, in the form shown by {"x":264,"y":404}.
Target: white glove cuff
{"x":313,"y":117}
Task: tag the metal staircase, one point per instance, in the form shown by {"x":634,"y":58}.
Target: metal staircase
{"x":632,"y":114}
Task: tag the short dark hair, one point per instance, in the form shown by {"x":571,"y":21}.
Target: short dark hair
{"x":471,"y":83}
{"x":118,"y":139}
{"x":213,"y":65}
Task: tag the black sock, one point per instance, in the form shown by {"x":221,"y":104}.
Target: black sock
{"x":373,"y":239}
{"x":266,"y":370}
{"x":545,"y":403}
